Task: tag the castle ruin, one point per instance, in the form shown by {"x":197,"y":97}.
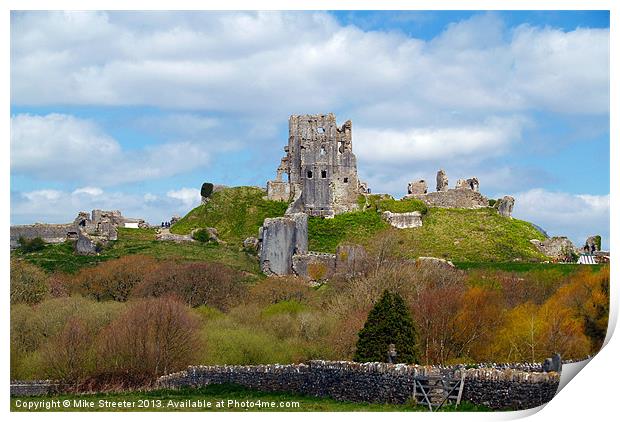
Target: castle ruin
{"x":320,"y":166}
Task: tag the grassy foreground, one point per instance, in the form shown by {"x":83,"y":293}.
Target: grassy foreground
{"x":223,"y":398}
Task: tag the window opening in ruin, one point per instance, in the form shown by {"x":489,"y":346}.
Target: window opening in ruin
{"x":340,"y":147}
{"x":320,"y":129}
{"x":309,"y":174}
{"x":323,"y":152}
{"x":346,"y":180}
{"x":323,"y":174}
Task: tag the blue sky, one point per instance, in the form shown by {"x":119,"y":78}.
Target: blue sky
{"x":133,"y":111}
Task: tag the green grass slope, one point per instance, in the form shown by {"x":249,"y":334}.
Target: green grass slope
{"x":465,"y":235}
{"x":236,"y":213}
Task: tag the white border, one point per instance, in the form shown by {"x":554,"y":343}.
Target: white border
{"x":589,"y":396}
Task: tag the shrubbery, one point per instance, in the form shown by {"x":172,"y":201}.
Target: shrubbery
{"x":201,"y":235}
{"x":28,"y":282}
{"x":152,"y":338}
{"x":114,"y":279}
{"x":32,"y":245}
{"x":195,"y":283}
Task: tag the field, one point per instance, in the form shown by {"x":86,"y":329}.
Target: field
{"x":223,"y":398}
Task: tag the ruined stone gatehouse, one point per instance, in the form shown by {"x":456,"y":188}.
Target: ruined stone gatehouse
{"x":320,"y":167}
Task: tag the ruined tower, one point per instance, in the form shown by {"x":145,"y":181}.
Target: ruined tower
{"x":321,"y":167}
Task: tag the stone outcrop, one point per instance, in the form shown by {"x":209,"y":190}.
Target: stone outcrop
{"x":250,"y":244}
{"x":403,"y":220}
{"x":279,"y":239}
{"x":320,"y":166}
{"x":417,"y":187}
{"x":442,"y":181}
{"x":505,"y":205}
{"x":557,"y":247}
{"x":171,"y":237}
{"x":430,"y":261}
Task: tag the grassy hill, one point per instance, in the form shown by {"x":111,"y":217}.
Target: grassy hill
{"x":461,"y":235}
{"x":456,"y":234}
{"x":236,"y":213}
{"x":60,"y":256}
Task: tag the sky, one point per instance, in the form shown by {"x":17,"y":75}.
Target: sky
{"x":135,"y":110}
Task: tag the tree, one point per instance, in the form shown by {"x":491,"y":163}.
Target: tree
{"x":389,"y":322}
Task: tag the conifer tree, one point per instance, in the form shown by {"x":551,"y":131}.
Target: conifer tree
{"x":389,"y":322}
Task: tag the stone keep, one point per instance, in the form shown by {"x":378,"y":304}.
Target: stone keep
{"x":320,"y":165}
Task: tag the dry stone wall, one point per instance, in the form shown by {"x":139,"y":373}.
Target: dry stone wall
{"x":375,"y":382}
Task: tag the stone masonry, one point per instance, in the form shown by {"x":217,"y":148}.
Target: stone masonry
{"x":320,"y":166}
{"x":507,"y":389}
{"x":279,"y":239}
{"x":466,"y":194}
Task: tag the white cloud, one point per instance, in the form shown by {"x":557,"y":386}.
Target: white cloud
{"x":55,"y":206}
{"x":65,"y":148}
{"x":300,"y":62}
{"x":88,"y":190}
{"x":564,"y":214}
{"x":189,"y":196}
{"x":447,"y":143}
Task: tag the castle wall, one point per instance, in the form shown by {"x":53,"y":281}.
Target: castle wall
{"x":50,"y":233}
{"x":453,"y":198}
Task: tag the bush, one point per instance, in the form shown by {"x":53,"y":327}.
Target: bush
{"x":206,"y":190}
{"x":201,"y":235}
{"x":389,"y":322}
{"x":153,"y":337}
{"x":28,"y":282}
{"x":285,"y":307}
{"x":195,"y":283}
{"x":115,"y":279}
{"x":32,"y":245}
{"x":492,"y":202}
{"x":68,"y":355}
{"x":278,"y":289}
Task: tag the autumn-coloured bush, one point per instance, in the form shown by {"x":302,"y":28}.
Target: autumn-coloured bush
{"x":28,"y":282}
{"x":68,"y":356}
{"x":153,"y":337}
{"x":115,"y":279}
{"x":195,"y":283}
{"x":277,"y":289}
